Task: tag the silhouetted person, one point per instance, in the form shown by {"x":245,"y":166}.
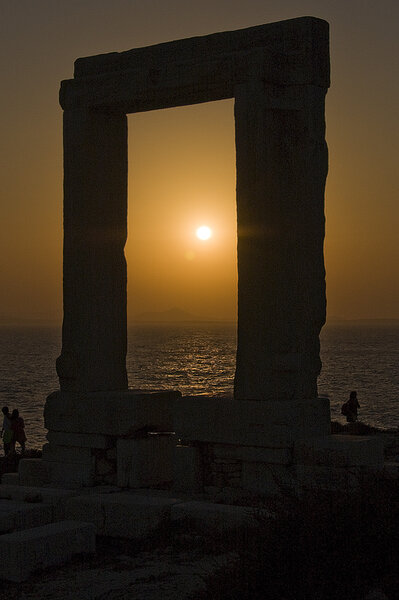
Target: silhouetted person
{"x":6,"y":431}
{"x":18,"y":428}
{"x":349,"y":409}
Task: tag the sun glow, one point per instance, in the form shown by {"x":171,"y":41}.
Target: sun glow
{"x":203,"y":233}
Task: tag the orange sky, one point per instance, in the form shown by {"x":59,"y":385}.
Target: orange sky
{"x":181,"y":161}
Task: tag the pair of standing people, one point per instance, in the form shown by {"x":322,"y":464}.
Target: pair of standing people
{"x":13,"y":430}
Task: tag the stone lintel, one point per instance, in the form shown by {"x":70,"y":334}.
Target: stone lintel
{"x":109,"y":413}
{"x":286,"y":37}
{"x":201,"y":69}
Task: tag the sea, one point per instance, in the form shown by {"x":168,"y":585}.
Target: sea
{"x":199,"y":358}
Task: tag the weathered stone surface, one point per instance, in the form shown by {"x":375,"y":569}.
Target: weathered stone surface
{"x":267,"y":424}
{"x":80,"y":440}
{"x":23,"y":552}
{"x":341,"y":451}
{"x":126,"y":515}
{"x":109,"y":413}
{"x":146,"y":462}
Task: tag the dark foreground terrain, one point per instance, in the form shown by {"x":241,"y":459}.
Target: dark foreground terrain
{"x":322,"y":546}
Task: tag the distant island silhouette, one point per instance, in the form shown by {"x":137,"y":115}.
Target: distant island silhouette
{"x":171,"y":315}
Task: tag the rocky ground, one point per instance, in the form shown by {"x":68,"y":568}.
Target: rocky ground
{"x":170,"y":565}
{"x":390,"y":437}
{"x":126,"y":570}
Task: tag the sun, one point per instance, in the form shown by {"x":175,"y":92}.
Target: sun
{"x":203,"y":233}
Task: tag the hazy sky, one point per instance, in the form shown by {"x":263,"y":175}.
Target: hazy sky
{"x":181,"y":161}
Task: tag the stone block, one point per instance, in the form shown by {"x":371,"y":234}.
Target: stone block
{"x":126,"y":515}
{"x":48,"y":495}
{"x":229,"y":495}
{"x":145,"y":462}
{"x":6,"y":523}
{"x":80,"y":440}
{"x":341,"y":451}
{"x":187,"y":469}
{"x":10,"y":479}
{"x":71,"y":474}
{"x":266,"y":480}
{"x":15,"y":515}
{"x":111,"y":454}
{"x":33,"y":471}
{"x":276,"y":456}
{"x":317,"y":417}
{"x":86,"y":508}
{"x":321,"y":477}
{"x":210,"y":516}
{"x":38,"y":472}
{"x":261,"y":423}
{"x":24,"y":552}
{"x":109,"y":413}
{"x":71,"y":455}
{"x":391,"y":469}
{"x":104,"y":467}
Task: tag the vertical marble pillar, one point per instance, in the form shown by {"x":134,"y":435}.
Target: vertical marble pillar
{"x":93,"y":356}
{"x":281,"y":171}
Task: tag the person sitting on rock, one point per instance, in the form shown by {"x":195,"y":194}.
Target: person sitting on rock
{"x":18,"y":428}
{"x":6,"y":432}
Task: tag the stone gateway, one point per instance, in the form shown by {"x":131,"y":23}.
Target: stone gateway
{"x":278,"y":75}
{"x":262,"y":440}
